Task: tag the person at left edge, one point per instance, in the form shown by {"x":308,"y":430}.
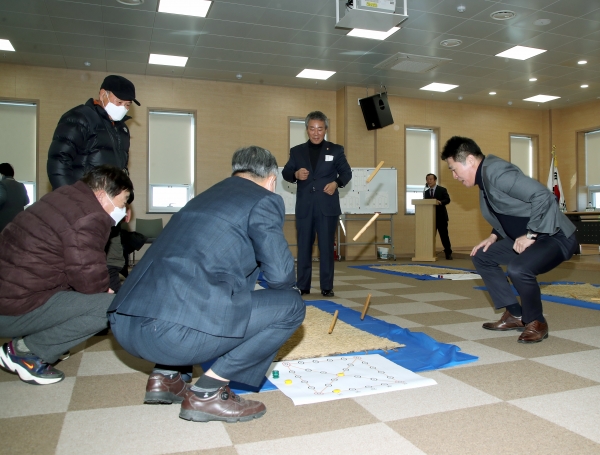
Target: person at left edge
{"x":93,"y":134}
{"x":191,"y":298}
{"x":13,"y":195}
{"x":54,"y":287}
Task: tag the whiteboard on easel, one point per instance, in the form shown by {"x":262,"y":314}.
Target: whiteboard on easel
{"x":358,"y":197}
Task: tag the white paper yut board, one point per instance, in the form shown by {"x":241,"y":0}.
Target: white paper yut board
{"x":459,"y":276}
{"x":334,"y":378}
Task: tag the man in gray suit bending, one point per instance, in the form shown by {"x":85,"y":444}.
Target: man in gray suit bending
{"x":191,"y":298}
{"x":529,"y":235}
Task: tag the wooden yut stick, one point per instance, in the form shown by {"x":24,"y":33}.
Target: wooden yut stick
{"x":362,"y":316}
{"x":374,"y":172}
{"x":373,"y":218}
{"x":595,"y":300}
{"x":335,"y":316}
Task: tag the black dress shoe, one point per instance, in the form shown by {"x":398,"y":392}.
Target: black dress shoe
{"x":304,"y":291}
{"x":449,"y":256}
{"x":327,"y":293}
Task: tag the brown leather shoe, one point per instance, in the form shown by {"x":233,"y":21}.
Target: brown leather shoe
{"x":161,"y":389}
{"x":506,"y":322}
{"x":535,"y":332}
{"x":222,"y":405}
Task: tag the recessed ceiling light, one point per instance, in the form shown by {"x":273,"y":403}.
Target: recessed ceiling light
{"x":521,"y":52}
{"x":492,"y":93}
{"x":197,"y":8}
{"x":131,"y":2}
{"x":542,"y":22}
{"x":169,"y":60}
{"x":584,"y":86}
{"x":541,"y":98}
{"x":503,"y":15}
{"x":6,"y":46}
{"x":532,"y":79}
{"x":437,"y":87}
{"x":87,"y":63}
{"x":451,"y":42}
{"x":582,"y":62}
{"x":372,"y":34}
{"x":316,"y":74}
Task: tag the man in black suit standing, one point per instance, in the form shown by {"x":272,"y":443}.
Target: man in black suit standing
{"x":319,"y":167}
{"x":442,"y":198}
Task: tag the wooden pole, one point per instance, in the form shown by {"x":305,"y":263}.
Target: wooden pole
{"x":335,"y":316}
{"x":374,"y":172}
{"x":364,"y":228}
{"x":362,"y":316}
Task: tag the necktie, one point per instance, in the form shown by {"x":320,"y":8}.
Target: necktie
{"x":431,"y":192}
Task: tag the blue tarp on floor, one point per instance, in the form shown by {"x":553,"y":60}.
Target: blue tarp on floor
{"x":556,"y":299}
{"x":377,"y":268}
{"x":422,"y":353}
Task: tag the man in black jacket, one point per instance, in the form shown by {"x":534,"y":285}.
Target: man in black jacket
{"x":442,"y":198}
{"x":95,"y":134}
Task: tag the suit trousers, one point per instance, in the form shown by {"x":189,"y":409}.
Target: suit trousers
{"x":324,"y":228}
{"x":543,"y":255}
{"x":442,"y":228}
{"x":276,"y":314}
{"x":65,"y":320}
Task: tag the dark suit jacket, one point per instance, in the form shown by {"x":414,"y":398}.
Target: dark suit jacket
{"x":510,"y":192}
{"x":202,"y":268}
{"x":332,"y":165}
{"x":441,"y":194}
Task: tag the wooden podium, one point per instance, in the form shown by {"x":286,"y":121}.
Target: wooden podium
{"x":424,"y":230}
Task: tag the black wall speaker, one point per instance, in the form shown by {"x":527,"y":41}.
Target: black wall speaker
{"x":376,"y":111}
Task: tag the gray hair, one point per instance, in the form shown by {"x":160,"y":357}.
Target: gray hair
{"x":257,"y":161}
{"x":317,"y":115}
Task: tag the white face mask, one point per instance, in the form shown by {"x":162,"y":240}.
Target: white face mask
{"x":118,"y":213}
{"x":116,"y":112}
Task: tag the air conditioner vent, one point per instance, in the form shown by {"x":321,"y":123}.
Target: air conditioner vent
{"x":411,"y":63}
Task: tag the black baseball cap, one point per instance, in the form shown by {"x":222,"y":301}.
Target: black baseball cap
{"x":122,"y":88}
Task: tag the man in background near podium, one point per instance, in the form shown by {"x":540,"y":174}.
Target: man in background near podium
{"x":442,"y":199}
{"x":319,"y":167}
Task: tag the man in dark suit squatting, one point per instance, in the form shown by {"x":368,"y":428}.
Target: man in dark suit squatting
{"x":530,"y":235}
{"x":442,"y":198}
{"x":191,"y":298}
{"x":319,"y":168}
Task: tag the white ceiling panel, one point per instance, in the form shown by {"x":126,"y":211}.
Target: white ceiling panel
{"x":72,"y":10}
{"x":60,"y":24}
{"x":130,"y":16}
{"x":135,"y":33}
{"x":72,"y":39}
{"x":83,"y":53}
{"x":127,"y":45}
{"x":124,"y":67}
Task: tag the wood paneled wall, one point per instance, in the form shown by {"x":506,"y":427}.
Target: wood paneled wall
{"x":231,"y":115}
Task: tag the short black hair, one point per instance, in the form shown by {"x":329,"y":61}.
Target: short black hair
{"x":317,"y":115}
{"x":7,"y":170}
{"x":458,"y":148}
{"x":434,"y":176}
{"x":108,"y":178}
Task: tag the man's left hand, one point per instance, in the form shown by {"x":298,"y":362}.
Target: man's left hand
{"x":438,"y":202}
{"x":330,"y":188}
{"x":522,"y":243}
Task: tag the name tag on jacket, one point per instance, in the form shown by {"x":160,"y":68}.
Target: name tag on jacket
{"x":328,"y":157}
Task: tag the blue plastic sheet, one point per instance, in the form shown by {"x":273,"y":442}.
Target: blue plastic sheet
{"x":557,"y":299}
{"x":377,"y":268}
{"x":422,"y":353}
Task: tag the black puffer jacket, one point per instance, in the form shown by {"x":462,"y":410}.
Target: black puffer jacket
{"x":84,"y":138}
